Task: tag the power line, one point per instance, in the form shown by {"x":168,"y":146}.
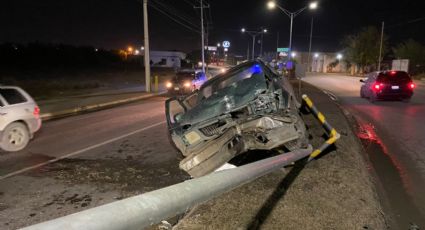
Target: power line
{"x":178,"y":14}
{"x":173,"y":18}
{"x":408,"y":22}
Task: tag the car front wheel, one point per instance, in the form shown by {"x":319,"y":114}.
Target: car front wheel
{"x":15,"y":137}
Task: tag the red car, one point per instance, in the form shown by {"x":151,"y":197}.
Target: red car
{"x":387,"y":85}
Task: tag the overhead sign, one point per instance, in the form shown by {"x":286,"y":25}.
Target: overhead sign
{"x":226,"y":44}
{"x":211,"y":48}
{"x":283,"y":50}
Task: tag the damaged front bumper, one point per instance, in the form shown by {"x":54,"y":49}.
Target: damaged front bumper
{"x":216,"y":142}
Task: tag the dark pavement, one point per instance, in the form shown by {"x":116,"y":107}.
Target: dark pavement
{"x":393,"y":134}
{"x":87,"y":160}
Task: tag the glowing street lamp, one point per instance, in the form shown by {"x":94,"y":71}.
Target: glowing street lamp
{"x":293,"y":54}
{"x":243,"y":30}
{"x":339,"y":56}
{"x":130,"y":49}
{"x":313,"y":5}
{"x":265,"y":31}
{"x":316,"y":55}
{"x":272,"y":5}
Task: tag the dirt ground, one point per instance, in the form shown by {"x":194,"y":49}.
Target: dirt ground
{"x":333,"y":192}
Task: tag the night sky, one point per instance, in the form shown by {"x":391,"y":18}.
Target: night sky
{"x":113,"y":24}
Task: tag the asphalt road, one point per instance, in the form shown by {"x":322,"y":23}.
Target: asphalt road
{"x":393,"y":134}
{"x":103,"y":156}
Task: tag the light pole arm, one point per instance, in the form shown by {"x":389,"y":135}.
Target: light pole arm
{"x":287,"y":12}
{"x":299,"y":11}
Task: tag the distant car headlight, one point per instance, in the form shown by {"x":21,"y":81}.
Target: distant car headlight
{"x":187,"y":84}
{"x":223,"y":70}
{"x":168,"y":84}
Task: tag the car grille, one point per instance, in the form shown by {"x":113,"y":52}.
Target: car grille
{"x":212,"y":130}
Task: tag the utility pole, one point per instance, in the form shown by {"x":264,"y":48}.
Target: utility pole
{"x":147,"y":57}
{"x":309,"y":48}
{"x":202,"y":34}
{"x":380,"y":47}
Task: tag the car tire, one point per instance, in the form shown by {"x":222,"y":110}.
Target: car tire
{"x":15,"y":137}
{"x":362,"y":94}
{"x":372,"y":97}
{"x":406,"y":100}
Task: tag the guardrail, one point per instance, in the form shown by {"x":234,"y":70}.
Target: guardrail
{"x":150,"y":208}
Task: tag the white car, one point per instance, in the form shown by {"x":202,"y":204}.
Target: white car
{"x":19,"y":118}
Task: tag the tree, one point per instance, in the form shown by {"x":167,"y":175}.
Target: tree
{"x":415,"y":52}
{"x":362,"y":48}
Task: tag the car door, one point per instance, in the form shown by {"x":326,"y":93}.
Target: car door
{"x":13,"y":106}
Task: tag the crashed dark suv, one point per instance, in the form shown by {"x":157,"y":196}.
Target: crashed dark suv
{"x":248,"y":107}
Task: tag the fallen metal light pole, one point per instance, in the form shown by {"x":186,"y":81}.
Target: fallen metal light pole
{"x":150,"y":208}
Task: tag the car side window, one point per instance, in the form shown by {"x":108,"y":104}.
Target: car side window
{"x":12,"y":96}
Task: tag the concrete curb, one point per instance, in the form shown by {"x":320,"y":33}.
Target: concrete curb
{"x":94,"y":107}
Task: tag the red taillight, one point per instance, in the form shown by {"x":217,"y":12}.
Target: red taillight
{"x":36,"y":111}
{"x":412,"y":85}
{"x":377,"y":86}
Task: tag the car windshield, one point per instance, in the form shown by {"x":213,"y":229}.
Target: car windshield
{"x":231,"y":79}
{"x":181,"y":76}
{"x":394,"y":77}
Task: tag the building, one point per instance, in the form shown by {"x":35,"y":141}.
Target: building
{"x":170,"y":59}
{"x":322,"y":62}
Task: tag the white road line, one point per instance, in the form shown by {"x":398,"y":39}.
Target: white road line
{"x":331,"y":95}
{"x":79,"y":151}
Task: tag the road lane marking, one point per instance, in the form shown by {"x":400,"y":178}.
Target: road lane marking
{"x":331,"y":95}
{"x":79,"y":151}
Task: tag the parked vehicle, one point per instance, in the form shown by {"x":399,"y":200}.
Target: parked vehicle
{"x":248,"y":107}
{"x":185,"y":82}
{"x":19,"y":118}
{"x":387,"y":85}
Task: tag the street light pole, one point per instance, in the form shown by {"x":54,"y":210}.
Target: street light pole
{"x":254,"y":35}
{"x":380,"y":47}
{"x":202,"y":37}
{"x":290,"y":31}
{"x":309,"y":48}
{"x":253,"y":46}
{"x":147,"y":57}
{"x":272,"y":4}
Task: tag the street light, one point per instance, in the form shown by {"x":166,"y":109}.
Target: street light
{"x":339,"y":57}
{"x":293,"y":54}
{"x":292,"y":15}
{"x":313,"y":5}
{"x":316,"y":55}
{"x":271,"y":5}
{"x":253,"y":34}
